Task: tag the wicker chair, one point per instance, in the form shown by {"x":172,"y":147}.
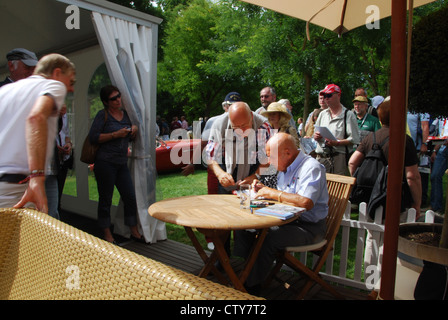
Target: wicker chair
{"x":43,"y":258}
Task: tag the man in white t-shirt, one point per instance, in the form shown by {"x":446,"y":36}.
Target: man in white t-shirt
{"x":29,"y":111}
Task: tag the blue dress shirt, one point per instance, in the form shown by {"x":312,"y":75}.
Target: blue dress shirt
{"x":307,"y":178}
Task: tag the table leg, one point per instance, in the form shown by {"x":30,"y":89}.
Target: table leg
{"x":253,"y":255}
{"x":223,"y":257}
{"x":208,"y":261}
{"x":219,"y":238}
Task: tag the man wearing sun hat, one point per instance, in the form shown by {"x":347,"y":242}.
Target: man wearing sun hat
{"x":342,"y":123}
{"x":21,"y":64}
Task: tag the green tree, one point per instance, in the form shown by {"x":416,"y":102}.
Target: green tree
{"x":209,"y":48}
{"x":203,"y":60}
{"x":187,"y":35}
{"x":428,"y":75}
{"x":277,"y":48}
{"x":146,"y":6}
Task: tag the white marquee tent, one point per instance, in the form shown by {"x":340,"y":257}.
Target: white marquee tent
{"x":90,"y":33}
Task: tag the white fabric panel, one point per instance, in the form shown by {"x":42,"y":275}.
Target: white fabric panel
{"x":128,"y":52}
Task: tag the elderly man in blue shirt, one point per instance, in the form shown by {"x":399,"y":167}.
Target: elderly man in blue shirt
{"x":302,"y":183}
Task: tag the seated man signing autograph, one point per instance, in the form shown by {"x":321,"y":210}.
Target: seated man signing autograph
{"x":302,"y":183}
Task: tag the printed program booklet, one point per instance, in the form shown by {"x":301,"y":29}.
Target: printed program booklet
{"x":281,"y":211}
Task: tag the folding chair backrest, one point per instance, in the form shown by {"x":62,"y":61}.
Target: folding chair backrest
{"x":339,"y":189}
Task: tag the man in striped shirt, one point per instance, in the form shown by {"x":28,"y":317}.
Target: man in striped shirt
{"x":236,"y":146}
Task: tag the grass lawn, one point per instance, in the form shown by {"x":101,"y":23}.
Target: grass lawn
{"x":173,"y":185}
{"x":169,"y":185}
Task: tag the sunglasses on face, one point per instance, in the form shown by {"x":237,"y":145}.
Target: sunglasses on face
{"x":327,"y":95}
{"x":115,"y":98}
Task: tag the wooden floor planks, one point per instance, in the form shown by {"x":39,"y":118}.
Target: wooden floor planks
{"x":185,"y":257}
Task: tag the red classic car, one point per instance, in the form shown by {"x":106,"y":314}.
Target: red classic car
{"x":173,"y":155}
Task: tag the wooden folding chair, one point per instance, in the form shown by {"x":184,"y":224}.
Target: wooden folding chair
{"x":339,"y":189}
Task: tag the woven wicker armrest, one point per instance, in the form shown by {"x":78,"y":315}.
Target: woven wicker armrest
{"x":43,"y":258}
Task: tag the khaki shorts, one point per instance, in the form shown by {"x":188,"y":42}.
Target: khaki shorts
{"x":11,"y":193}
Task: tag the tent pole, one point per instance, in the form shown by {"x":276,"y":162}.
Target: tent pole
{"x":396,"y":156}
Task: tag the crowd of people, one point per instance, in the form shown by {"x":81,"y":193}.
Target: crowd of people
{"x":339,"y":137}
{"x":283,"y":159}
{"x":164,"y":129}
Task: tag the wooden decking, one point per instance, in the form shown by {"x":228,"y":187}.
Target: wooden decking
{"x":186,"y":258}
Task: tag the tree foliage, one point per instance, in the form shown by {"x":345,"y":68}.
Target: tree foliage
{"x":209,"y":48}
{"x":428,"y":71}
{"x":188,"y":37}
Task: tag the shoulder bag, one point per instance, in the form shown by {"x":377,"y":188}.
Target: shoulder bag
{"x":88,"y":152}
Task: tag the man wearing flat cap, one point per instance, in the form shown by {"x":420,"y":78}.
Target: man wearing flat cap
{"x":21,"y":64}
{"x":366,"y":122}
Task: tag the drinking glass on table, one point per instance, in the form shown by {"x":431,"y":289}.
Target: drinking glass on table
{"x":245,"y":193}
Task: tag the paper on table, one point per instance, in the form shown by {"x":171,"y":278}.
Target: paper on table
{"x":324,"y":132}
{"x":280,"y":211}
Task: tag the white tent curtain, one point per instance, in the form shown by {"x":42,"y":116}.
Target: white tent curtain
{"x":129,"y":53}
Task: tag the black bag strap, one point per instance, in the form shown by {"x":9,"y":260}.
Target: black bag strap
{"x":345,"y":130}
{"x":384,"y":142}
{"x":376,"y":146}
{"x":104,"y":125}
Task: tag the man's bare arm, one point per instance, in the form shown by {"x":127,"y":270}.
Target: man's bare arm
{"x":36,"y":145}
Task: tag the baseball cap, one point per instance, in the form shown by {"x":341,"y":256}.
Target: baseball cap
{"x":360,"y":99}
{"x":377,"y":100}
{"x":232,"y":97}
{"x":330,"y":88}
{"x":27,"y":57}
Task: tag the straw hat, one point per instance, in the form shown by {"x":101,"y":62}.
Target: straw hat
{"x":276,"y":107}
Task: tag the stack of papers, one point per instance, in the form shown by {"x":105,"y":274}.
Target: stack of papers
{"x":281,"y":211}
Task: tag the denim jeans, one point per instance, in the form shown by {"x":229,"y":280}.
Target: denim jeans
{"x":52,"y":191}
{"x":438,"y":170}
{"x":107,"y":176}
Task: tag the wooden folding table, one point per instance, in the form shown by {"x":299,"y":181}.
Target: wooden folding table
{"x":216,"y":216}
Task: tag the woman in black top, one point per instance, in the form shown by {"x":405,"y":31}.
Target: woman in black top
{"x":112,"y":130}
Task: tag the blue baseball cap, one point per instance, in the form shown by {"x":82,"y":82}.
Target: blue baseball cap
{"x":232,"y":97}
{"x":27,"y":57}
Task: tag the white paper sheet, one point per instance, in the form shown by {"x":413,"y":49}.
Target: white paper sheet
{"x":324,"y":132}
